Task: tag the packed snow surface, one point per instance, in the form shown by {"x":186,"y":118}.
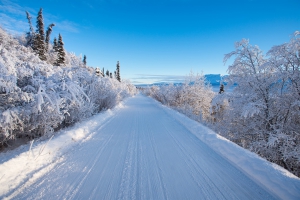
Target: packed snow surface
{"x":141,"y":150}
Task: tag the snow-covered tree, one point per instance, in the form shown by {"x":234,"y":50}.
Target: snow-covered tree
{"x":30,"y":34}
{"x":193,"y":98}
{"x":84,"y":60}
{"x":55,"y":45}
{"x":60,"y":52}
{"x":221,"y":89}
{"x":118,"y":77}
{"x":48,"y":33}
{"x":39,"y":41}
{"x":262,"y":113}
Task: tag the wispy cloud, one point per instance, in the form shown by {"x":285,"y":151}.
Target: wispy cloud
{"x":13,"y":19}
{"x":11,"y":7}
{"x":12,"y":24}
{"x":67,"y":26}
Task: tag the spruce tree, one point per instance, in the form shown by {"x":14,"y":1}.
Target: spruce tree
{"x":55,"y":45}
{"x":107,"y":73}
{"x":40,"y":24}
{"x":30,"y":35}
{"x":84,"y":60}
{"x":48,"y":32}
{"x":221,"y":89}
{"x":39,"y":41}
{"x":110,"y":75}
{"x":98,"y":72}
{"x":118,"y":72}
{"x":60,"y":52}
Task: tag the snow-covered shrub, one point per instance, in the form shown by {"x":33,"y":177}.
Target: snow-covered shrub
{"x":37,"y":97}
{"x":192,"y":98}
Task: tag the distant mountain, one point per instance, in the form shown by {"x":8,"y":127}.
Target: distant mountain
{"x":213,"y":79}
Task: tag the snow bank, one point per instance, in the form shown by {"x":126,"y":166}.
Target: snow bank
{"x":23,"y":168}
{"x":272,"y":177}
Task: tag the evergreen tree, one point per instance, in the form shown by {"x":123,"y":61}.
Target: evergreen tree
{"x":103,"y":71}
{"x":60,"y":51}
{"x":40,"y":24}
{"x":118,"y":77}
{"x":30,"y":35}
{"x":110,"y":75}
{"x":48,"y":32}
{"x":36,"y":40}
{"x":39,"y":40}
{"x":84,"y":60}
{"x":55,"y":45}
{"x":221,"y":89}
{"x":107,"y":73}
{"x":98,"y":72}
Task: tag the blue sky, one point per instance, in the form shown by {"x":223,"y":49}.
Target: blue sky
{"x":161,"y":40}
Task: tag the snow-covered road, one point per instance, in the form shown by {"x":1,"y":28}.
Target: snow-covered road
{"x":144,"y":152}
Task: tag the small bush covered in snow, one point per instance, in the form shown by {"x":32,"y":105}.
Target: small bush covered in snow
{"x":192,"y":98}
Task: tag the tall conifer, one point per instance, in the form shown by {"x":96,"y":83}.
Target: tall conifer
{"x":60,"y":52}
{"x":55,"y":45}
{"x":84,"y":60}
{"x":39,"y":41}
{"x":118,"y":77}
{"x":30,"y":35}
{"x":221,"y":89}
{"x":48,"y":32}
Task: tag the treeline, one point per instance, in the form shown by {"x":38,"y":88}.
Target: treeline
{"x":42,"y":90}
{"x":40,"y":42}
{"x":262,"y":113}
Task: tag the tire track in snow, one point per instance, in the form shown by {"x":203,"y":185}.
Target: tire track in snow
{"x":157,"y":166}
{"x":77,"y":184}
{"x":218,"y":182}
{"x":195,"y":168}
{"x":119,"y":149}
{"x":191,"y":168}
{"x":126,"y":186}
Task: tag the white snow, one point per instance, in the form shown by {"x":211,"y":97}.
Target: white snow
{"x":24,"y":167}
{"x":141,"y":150}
